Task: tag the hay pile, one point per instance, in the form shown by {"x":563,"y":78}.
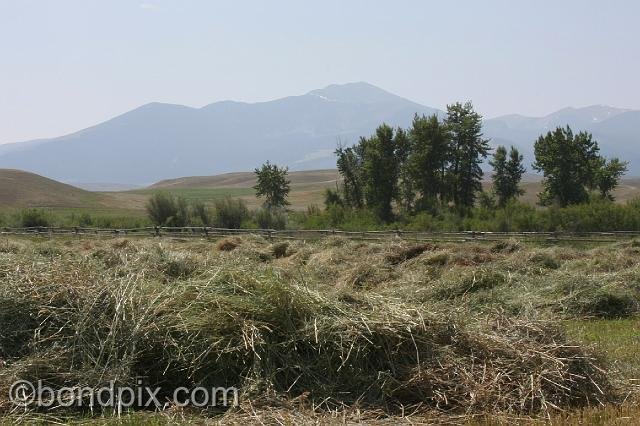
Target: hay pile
{"x":183,"y":314}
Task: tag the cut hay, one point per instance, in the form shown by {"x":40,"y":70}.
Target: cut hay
{"x":402,"y":254}
{"x":228,"y":244}
{"x":283,"y":331}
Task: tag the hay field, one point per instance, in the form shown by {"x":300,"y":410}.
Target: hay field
{"x":333,"y":330}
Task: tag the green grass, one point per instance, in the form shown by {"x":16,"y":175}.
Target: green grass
{"x":82,"y":217}
{"x":618,"y":340}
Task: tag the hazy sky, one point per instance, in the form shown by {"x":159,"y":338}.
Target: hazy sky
{"x":65,"y":65}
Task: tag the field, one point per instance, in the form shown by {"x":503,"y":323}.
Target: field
{"x":332,"y":330}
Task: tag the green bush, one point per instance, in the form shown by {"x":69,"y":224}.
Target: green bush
{"x":200,"y":214}
{"x":230,"y":213}
{"x":31,"y":218}
{"x":271,"y":219}
{"x":165,"y":209}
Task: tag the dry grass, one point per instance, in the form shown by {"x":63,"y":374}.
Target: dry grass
{"x":327,"y":331}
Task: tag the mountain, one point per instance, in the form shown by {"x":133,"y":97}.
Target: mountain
{"x":159,"y":141}
{"x":616,"y":130}
{"x":163,"y":141}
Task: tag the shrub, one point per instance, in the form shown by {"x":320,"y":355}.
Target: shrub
{"x":31,"y":218}
{"x":230,"y":213}
{"x":271,"y":219}
{"x":200,"y":214}
{"x":165,"y":209}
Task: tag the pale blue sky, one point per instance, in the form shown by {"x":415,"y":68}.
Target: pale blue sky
{"x":65,"y":65}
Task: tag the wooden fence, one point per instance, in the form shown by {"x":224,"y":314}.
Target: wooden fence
{"x":209,"y":232}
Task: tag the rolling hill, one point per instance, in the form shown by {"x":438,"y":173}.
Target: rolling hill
{"x":248,"y":180}
{"x":20,"y":189}
{"x":23,"y":189}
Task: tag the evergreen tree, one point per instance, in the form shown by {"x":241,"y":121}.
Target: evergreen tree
{"x":428,"y":159}
{"x":507,"y":174}
{"x":272,"y":183}
{"x":468,"y":149}
{"x":569,"y":163}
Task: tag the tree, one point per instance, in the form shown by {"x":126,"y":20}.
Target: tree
{"x":273,"y":185}
{"x":468,"y":149}
{"x":608,"y":176}
{"x":428,"y":158}
{"x":405,"y":195}
{"x":350,"y":168}
{"x":332,"y":197}
{"x":380,"y":171}
{"x":569,"y":163}
{"x":507,"y":174}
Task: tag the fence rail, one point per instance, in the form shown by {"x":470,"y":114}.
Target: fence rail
{"x":209,"y":232}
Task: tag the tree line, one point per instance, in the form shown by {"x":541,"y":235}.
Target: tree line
{"x":437,"y":163}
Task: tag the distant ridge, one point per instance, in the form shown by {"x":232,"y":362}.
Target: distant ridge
{"x":160,"y":141}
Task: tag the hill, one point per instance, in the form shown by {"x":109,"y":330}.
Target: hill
{"x":307,"y":187}
{"x":248,"y":180}
{"x":23,"y":189}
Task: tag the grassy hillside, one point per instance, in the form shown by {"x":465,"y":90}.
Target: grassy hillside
{"x":248,"y":180}
{"x":23,"y":189}
{"x":65,"y":204}
{"x":307,"y":187}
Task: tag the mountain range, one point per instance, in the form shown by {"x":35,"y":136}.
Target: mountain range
{"x":161,"y":141}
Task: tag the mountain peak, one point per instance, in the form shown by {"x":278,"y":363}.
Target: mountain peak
{"x":358,"y":92}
